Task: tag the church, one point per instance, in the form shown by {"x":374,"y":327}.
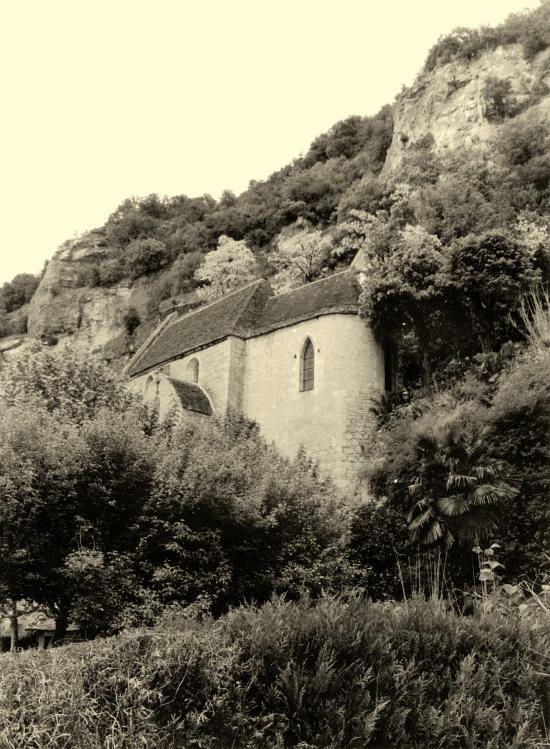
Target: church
{"x":302,"y":364}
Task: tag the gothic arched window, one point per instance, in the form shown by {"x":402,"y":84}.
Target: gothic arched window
{"x":307,"y":366}
{"x":193,"y":371}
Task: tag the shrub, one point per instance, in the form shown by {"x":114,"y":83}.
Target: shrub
{"x":144,"y":256}
{"x":132,"y":320}
{"x":498,"y":98}
{"x":341,"y":674}
{"x":378,"y":542}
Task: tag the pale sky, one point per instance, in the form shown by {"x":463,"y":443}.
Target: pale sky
{"x":105,"y":99}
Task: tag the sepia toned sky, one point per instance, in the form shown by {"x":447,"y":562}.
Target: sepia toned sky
{"x":104,"y":99}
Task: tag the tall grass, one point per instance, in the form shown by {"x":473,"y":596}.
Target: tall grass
{"x":535,"y":316}
{"x":341,"y":673}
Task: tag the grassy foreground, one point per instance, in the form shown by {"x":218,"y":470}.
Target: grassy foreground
{"x":340,"y":673}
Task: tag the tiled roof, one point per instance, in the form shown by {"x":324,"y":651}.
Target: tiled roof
{"x":192,"y":397}
{"x":247,"y":312}
{"x":337,"y":293}
{"x":231,"y":314}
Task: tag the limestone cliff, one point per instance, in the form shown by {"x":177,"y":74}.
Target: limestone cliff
{"x":93,"y":317}
{"x":448,"y":102}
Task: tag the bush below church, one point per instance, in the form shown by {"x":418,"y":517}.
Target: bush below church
{"x":340,"y":673}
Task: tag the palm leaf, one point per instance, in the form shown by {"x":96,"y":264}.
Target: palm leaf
{"x":454,"y":505}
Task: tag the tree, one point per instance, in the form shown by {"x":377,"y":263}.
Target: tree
{"x":41,"y":456}
{"x":300,"y":258}
{"x":231,"y":265}
{"x":499,"y":100}
{"x":18,"y":291}
{"x":490,"y":273}
{"x":144,"y":256}
{"x":64,"y":383}
{"x":230,"y":520}
{"x":403,"y":291}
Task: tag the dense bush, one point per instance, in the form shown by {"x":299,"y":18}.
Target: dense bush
{"x":340,"y":674}
{"x":18,"y":291}
{"x":144,"y":256}
{"x":498,"y":99}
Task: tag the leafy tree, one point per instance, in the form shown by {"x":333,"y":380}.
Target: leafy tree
{"x":144,"y":256}
{"x":64,"y":383}
{"x":18,"y":291}
{"x":224,"y":269}
{"x":40,"y":458}
{"x":499,"y":100}
{"x":229,"y":519}
{"x":300,"y":258}
{"x":491,"y":272}
{"x":403,"y":291}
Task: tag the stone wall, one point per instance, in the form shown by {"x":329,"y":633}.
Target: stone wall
{"x":331,"y":421}
{"x":214,"y":370}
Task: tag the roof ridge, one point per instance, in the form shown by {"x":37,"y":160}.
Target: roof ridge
{"x":312,"y":283}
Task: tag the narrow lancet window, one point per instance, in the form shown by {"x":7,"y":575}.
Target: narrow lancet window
{"x":193,"y":371}
{"x":307,"y":366}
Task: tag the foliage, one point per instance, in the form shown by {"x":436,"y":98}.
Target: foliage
{"x":223,"y":270}
{"x":18,"y":291}
{"x":68,"y":383}
{"x":520,"y":420}
{"x":491,"y":272}
{"x":228,"y":519}
{"x":402,"y":290}
{"x":132,"y":320}
{"x":144,"y":256}
{"x":531,"y":29}
{"x":456,"y":486}
{"x":379,"y":541}
{"x":300,"y":259}
{"x":498,"y":99}
{"x":338,"y":674}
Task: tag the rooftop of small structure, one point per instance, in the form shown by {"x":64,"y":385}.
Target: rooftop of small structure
{"x":249,"y":311}
{"x":192,"y":397}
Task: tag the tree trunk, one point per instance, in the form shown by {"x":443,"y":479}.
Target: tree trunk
{"x":426,"y":371}
{"x":14,"y":627}
{"x":61,"y":624}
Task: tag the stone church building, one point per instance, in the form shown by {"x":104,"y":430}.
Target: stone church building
{"x":302,"y":364}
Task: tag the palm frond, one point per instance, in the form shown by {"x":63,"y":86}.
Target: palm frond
{"x":421,"y":519}
{"x":457,"y":480}
{"x":454,"y":505}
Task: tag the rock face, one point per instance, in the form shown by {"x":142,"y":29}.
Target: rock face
{"x":448,"y":102}
{"x":64,"y":305}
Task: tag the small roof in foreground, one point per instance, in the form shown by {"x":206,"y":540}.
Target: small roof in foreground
{"x":192,"y":397}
